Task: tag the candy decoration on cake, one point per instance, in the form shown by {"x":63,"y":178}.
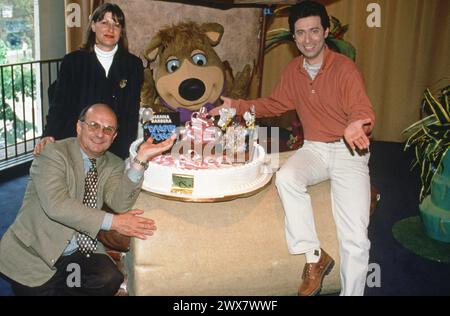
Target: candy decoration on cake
{"x":238,"y":138}
{"x":146,"y":115}
{"x":204,"y":146}
{"x":189,"y":161}
{"x":234,"y":140}
{"x":198,"y":138}
{"x":200,"y":129}
{"x":226,"y":117}
{"x":207,"y":162}
{"x":250,"y":117}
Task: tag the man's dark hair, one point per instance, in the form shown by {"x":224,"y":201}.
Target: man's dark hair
{"x":305,"y":9}
{"x":98,"y":15}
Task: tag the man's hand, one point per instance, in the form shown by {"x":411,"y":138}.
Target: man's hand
{"x":355,"y":134}
{"x":40,"y":146}
{"x":129,"y":224}
{"x":226,"y":104}
{"x":148,"y":150}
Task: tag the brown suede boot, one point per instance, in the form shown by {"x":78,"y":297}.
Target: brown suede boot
{"x":313,"y":274}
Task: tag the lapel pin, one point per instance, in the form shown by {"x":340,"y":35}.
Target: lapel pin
{"x":123,"y":83}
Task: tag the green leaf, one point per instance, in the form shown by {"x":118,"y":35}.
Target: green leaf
{"x":438,"y":109}
{"x":418,"y":125}
{"x":342,"y":47}
{"x":430,"y":138}
{"x":336,"y":24}
{"x":276,"y":37}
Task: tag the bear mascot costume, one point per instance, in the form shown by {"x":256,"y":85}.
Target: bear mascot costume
{"x":187,"y":73}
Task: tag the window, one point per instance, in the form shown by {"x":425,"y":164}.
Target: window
{"x":18,"y":124}
{"x":16,"y":30}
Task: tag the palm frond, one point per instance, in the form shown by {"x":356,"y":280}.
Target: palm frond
{"x":438,"y":109}
{"x":335,"y":24}
{"x":430,"y":138}
{"x":283,"y":9}
{"x":427,"y":121}
{"x":342,"y":47}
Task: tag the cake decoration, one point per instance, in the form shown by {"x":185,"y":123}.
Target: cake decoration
{"x":209,"y":159}
{"x":158,"y":126}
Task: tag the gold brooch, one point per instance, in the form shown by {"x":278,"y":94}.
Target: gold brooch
{"x":123,"y":83}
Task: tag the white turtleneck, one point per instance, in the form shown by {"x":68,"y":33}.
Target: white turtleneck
{"x":312,"y":70}
{"x":105,"y":58}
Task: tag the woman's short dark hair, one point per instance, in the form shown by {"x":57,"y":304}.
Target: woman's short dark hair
{"x":97,"y":15}
{"x":305,"y":9}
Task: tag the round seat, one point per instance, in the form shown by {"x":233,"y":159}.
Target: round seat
{"x":226,"y":248}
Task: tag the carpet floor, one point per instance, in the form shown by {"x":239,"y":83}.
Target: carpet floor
{"x":401,"y":271}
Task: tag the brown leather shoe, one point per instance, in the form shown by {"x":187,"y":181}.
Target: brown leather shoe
{"x":313,"y":274}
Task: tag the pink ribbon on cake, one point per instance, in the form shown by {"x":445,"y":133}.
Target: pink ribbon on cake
{"x":189,"y":161}
{"x":201,"y":128}
{"x":164,"y":160}
{"x":193,"y":161}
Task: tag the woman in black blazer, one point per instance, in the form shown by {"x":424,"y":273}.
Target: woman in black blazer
{"x":102,"y":71}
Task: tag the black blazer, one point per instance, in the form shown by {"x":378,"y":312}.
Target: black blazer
{"x":82,"y":81}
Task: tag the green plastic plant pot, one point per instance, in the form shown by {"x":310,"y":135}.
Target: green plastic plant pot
{"x":436,"y":220}
{"x":440,"y":191}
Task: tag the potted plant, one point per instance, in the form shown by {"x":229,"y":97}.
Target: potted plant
{"x":430,"y":139}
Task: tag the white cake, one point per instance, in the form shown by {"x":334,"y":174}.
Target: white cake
{"x":224,"y":180}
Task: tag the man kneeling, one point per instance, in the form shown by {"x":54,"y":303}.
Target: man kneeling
{"x":54,"y":234}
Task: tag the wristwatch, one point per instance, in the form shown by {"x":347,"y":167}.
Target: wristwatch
{"x":142,"y":163}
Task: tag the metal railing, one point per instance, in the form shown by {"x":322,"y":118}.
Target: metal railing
{"x":23,"y":107}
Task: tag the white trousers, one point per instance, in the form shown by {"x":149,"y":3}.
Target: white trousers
{"x":350,"y":195}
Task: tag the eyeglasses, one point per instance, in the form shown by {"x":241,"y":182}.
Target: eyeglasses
{"x":95,"y":127}
{"x":105,"y":24}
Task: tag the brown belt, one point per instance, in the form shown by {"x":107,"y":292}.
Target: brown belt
{"x":334,"y":141}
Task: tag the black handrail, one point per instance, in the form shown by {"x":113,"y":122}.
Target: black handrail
{"x":24,"y":106}
{"x":45,"y":61}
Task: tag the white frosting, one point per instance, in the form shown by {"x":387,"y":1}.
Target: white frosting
{"x":208,"y":183}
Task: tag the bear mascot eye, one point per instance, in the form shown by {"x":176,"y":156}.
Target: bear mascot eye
{"x":172,"y":65}
{"x":199,"y":59}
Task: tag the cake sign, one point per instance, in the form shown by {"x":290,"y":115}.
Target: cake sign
{"x":182,"y":183}
{"x":159,"y":126}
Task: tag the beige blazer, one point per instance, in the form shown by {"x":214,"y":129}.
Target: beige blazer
{"x":52,"y":210}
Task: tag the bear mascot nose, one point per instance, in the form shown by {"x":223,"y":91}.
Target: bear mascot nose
{"x":191,"y":89}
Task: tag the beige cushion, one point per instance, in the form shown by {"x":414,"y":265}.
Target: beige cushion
{"x":228,"y":248}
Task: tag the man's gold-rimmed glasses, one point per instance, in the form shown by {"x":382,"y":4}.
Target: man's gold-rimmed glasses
{"x":95,"y":127}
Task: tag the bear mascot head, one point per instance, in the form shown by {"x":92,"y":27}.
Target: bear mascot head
{"x":186,"y":73}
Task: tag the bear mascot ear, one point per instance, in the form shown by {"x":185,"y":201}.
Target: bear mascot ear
{"x":236,"y":87}
{"x":148,"y":90}
{"x":213,"y":31}
{"x":152,"y":49}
